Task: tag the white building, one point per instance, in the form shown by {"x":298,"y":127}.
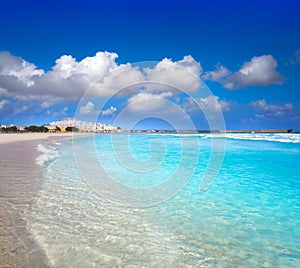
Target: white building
{"x":83,"y":125}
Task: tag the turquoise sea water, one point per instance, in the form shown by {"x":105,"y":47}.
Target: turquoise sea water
{"x":249,"y":216}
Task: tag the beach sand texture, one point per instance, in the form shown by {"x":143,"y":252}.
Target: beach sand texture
{"x":19,"y":185}
{"x":15,"y":137}
{"x":20,"y":182}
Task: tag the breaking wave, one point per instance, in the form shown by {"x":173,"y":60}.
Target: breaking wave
{"x":48,"y":153}
{"x":275,"y":137}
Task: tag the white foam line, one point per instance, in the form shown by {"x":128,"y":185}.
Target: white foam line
{"x":48,"y":153}
{"x":275,"y":137}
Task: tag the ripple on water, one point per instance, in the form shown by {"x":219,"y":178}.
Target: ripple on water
{"x":249,"y":217}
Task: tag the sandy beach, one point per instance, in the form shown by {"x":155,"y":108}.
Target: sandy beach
{"x":18,"y":137}
{"x":20,"y":182}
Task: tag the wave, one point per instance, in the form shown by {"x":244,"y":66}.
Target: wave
{"x":275,"y":137}
{"x":48,"y":153}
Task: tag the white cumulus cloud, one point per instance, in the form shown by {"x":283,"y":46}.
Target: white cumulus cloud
{"x":209,"y":104}
{"x":69,"y":79}
{"x":148,"y":102}
{"x":119,"y":81}
{"x":183,"y":74}
{"x":101,"y":76}
{"x":271,"y":110}
{"x":219,"y":74}
{"x":260,"y":71}
{"x":15,"y":68}
{"x":110,"y":111}
{"x":89,"y":108}
{"x":93,"y":68}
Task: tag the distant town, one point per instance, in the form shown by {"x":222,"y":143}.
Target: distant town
{"x":63,"y":125}
{"x":74,"y":125}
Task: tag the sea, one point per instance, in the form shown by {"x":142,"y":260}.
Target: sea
{"x":169,"y":200}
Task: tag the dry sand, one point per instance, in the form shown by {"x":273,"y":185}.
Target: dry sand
{"x":14,"y":137}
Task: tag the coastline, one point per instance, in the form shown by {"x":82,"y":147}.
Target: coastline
{"x":6,"y":138}
{"x":20,"y":182}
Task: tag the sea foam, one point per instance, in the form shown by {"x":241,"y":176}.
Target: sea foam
{"x":48,"y":153}
{"x":249,"y":216}
{"x":275,"y":137}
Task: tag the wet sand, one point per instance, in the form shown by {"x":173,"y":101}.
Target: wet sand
{"x":19,"y":185}
{"x":19,"y":180}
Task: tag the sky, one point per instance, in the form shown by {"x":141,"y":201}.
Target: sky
{"x":151,"y":64}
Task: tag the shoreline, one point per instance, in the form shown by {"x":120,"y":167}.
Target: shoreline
{"x":20,"y":180}
{"x":20,"y":184}
{"x":8,"y":138}
{"x":216,"y":131}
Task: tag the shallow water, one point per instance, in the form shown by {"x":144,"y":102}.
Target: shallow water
{"x":249,"y":216}
{"x":19,"y":187}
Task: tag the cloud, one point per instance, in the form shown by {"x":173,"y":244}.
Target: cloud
{"x":94,"y":68}
{"x":122,"y":78}
{"x":296,"y":57}
{"x":89,"y":108}
{"x":148,"y":90}
{"x":147,"y":106}
{"x":260,"y":71}
{"x":55,"y":113}
{"x":69,"y":79}
{"x":110,"y":111}
{"x":271,"y":110}
{"x":209,"y":104}
{"x":212,"y":103}
{"x":218,"y":75}
{"x":225,"y":105}
{"x":3,"y":103}
{"x":21,"y":109}
{"x":148,"y":102}
{"x":183,"y":74}
{"x":168,"y":106}
{"x":46,"y":104}
{"x":16,"y":68}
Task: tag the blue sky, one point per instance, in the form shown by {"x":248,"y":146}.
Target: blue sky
{"x":246,"y":52}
